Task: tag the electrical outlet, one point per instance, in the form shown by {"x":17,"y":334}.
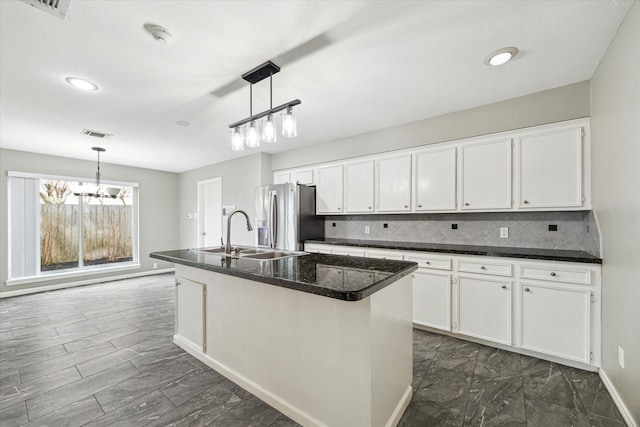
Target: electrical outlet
{"x":155,"y":265}
{"x":366,"y":229}
{"x":621,"y":357}
{"x":454,"y":226}
{"x":504,"y":232}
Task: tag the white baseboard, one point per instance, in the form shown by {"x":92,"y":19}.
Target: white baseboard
{"x":402,"y":406}
{"x":27,"y":291}
{"x":624,"y":411}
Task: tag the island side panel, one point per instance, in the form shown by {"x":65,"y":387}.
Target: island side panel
{"x":312,"y":357}
{"x":392,"y":351}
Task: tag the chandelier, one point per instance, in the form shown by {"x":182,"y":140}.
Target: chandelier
{"x":96,"y":190}
{"x":250,"y":135}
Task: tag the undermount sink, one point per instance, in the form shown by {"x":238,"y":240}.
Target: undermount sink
{"x":253,"y":253}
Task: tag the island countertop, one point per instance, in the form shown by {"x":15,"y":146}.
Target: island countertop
{"x":333,"y":276}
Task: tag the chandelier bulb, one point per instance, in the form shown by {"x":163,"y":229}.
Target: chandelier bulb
{"x":289,"y":126}
{"x":252,"y":138}
{"x":269,"y":130}
{"x":237,"y":140}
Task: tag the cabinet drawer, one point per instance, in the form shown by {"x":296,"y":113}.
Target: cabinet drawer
{"x":347,"y":251}
{"x":431,"y":262}
{"x":373,"y":253}
{"x":485,"y":267}
{"x":561,"y":274}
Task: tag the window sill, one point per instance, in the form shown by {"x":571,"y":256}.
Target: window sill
{"x":68,"y":274}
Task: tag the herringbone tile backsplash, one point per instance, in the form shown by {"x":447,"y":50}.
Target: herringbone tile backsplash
{"x":575,"y":230}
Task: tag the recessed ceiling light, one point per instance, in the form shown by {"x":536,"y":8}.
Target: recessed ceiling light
{"x":501,"y":56}
{"x":81,"y":83}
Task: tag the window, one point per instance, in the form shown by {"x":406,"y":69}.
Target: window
{"x":54,"y":229}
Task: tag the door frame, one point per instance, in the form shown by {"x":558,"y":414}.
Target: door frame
{"x":200,"y":210}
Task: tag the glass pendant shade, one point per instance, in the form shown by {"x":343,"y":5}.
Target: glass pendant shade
{"x":252,"y":138}
{"x":269,"y":130}
{"x":237,"y":141}
{"x":289,"y":126}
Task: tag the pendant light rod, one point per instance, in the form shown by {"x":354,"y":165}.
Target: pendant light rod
{"x":266,"y":113}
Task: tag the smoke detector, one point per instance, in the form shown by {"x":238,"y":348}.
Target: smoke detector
{"x":56,"y":8}
{"x":159,"y":34}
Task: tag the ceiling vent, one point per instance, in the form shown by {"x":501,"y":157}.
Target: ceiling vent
{"x":54,"y":7}
{"x":95,"y":133}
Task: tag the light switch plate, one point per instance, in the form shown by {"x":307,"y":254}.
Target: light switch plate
{"x":504,"y":232}
{"x":621,"y":357}
{"x":366,"y":229}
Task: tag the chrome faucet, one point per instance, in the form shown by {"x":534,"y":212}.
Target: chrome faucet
{"x":227,"y":248}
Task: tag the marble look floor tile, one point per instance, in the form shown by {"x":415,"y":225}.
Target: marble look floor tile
{"x":443,"y":397}
{"x":74,"y":415}
{"x":284,"y":421}
{"x":202,"y":408}
{"x":494,"y":363}
{"x":496,"y":402}
{"x":191,"y":385}
{"x":597,"y":421}
{"x":78,"y":390}
{"x":248,"y":413}
{"x":142,"y":384}
{"x":14,"y":415}
{"x":140,"y":412}
{"x":604,"y":407}
{"x":36,"y":356}
{"x":38,"y":369}
{"x":9,"y":376}
{"x":551,"y":385}
{"x":415,"y":418}
{"x":544,"y":414}
{"x":11,"y":394}
{"x":29,"y":332}
{"x":99,"y":338}
{"x":35,"y":344}
{"x":99,"y":364}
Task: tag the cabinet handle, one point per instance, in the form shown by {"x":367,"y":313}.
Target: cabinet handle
{"x":405,"y":206}
{"x":419,"y":206}
{"x":504,"y":286}
{"x":427,"y":262}
{"x":369,"y":207}
{"x":339,"y":209}
{"x":526,"y":202}
{"x":482,"y":267}
{"x":466,"y":203}
{"x":526,"y":289}
{"x":553,"y":274}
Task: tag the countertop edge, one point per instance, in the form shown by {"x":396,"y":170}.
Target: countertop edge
{"x":493,"y":252}
{"x":291,"y":284}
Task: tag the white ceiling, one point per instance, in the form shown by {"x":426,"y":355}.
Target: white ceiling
{"x":357,"y":66}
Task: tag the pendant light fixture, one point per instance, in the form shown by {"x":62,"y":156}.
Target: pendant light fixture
{"x":96,"y":190}
{"x":252,"y":136}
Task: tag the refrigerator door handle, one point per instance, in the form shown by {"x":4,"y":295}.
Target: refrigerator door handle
{"x":273,"y":219}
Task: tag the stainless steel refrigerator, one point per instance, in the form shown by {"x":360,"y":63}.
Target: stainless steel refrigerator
{"x":286,"y":216}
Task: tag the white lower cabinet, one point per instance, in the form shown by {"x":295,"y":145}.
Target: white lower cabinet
{"x":540,"y":308}
{"x":556,"y":320}
{"x":191,"y":312}
{"x":484,"y":309}
{"x":432,"y":299}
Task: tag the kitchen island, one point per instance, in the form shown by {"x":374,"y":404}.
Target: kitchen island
{"x":325,"y":339}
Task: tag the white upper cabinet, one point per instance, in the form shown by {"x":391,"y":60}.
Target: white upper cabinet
{"x":435,"y":180}
{"x":281,"y":177}
{"x":485,"y":175}
{"x":393,"y":184}
{"x":303,"y":176}
{"x":550,"y":169}
{"x":329,"y":190}
{"x":359,"y":180}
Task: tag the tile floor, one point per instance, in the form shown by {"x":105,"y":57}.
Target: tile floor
{"x":102,"y":355}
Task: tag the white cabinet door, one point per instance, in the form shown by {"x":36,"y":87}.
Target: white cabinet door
{"x":484,"y":309}
{"x":349,"y":251}
{"x":556,"y":321}
{"x":359,"y":180}
{"x":486,"y":175}
{"x":190,"y":312}
{"x":550,"y":169}
{"x":393,"y":184}
{"x":329,"y":190}
{"x":303,"y":176}
{"x":281,"y":177}
{"x":435,"y":180}
{"x":432,"y":299}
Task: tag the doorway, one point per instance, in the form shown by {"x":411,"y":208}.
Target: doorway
{"x":210,"y":212}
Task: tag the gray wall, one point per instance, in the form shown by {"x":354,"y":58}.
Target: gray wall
{"x":615,"y":133}
{"x":526,"y":229}
{"x":564,"y":103}
{"x":158,"y":198}
{"x":240,"y":177}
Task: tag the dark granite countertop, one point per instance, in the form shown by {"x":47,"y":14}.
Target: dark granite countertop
{"x":494,"y":251}
{"x":318,"y":274}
